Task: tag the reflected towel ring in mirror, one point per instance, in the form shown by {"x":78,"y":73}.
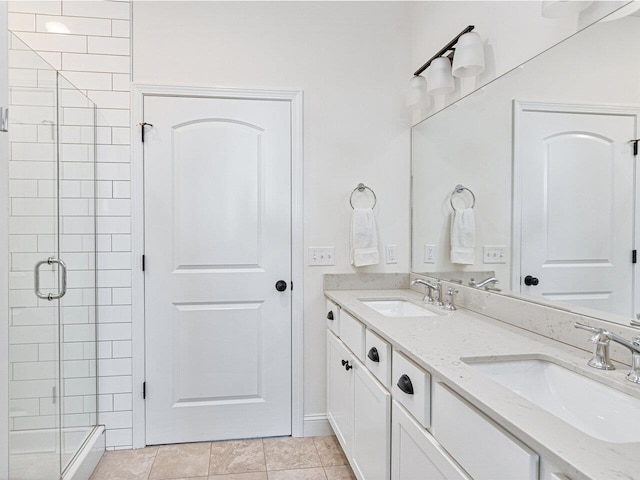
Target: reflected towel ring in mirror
{"x":459,"y":189}
{"x":361,"y":188}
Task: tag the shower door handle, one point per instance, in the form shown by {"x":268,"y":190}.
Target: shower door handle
{"x":4,"y":119}
{"x":63,"y":279}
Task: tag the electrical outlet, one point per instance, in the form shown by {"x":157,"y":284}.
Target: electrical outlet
{"x":321,"y":256}
{"x":430,"y":254}
{"x":495,"y":254}
{"x":392,"y":253}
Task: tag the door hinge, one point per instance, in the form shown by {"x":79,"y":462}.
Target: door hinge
{"x":142,"y":125}
{"x":144,"y":390}
{"x":634,"y":256}
{"x":635,"y":146}
{"x":143,"y":263}
{"x":291,"y":285}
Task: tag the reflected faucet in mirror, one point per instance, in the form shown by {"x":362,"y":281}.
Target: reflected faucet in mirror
{"x":484,"y":283}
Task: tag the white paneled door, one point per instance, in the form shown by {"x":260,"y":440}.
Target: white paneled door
{"x":217,"y":197}
{"x":577,"y":183}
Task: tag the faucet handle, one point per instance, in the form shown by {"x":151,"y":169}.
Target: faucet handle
{"x":601,"y":338}
{"x":450,"y":305}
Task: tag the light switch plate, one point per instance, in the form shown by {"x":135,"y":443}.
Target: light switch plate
{"x":430,"y":254}
{"x":495,"y":254}
{"x":391,"y":253}
{"x":321,"y":256}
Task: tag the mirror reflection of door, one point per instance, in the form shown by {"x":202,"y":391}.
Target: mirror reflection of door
{"x":576,"y":170}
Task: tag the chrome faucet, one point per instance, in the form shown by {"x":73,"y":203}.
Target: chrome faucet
{"x":602,"y":338}
{"x":428,"y":295}
{"x":483,"y":283}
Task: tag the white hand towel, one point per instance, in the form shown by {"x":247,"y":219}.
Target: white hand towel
{"x":463,"y":236}
{"x":364,"y":238}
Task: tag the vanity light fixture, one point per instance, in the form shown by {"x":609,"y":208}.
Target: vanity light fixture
{"x":417,"y":97}
{"x":439,"y":78}
{"x":468,"y":60}
{"x":467,"y":54}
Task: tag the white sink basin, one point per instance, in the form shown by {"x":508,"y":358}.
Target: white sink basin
{"x":592,"y":407}
{"x":398,"y":308}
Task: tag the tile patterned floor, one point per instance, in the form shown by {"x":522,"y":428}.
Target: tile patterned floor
{"x":315,"y":458}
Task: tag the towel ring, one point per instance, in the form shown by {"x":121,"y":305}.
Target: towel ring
{"x":459,"y":189}
{"x":361,"y":188}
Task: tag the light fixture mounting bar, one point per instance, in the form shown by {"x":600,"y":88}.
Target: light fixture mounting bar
{"x":445,"y":49}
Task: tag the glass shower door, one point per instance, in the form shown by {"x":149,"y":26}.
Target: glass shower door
{"x":77,"y":228}
{"x":52,"y":252}
{"x":34,"y":337}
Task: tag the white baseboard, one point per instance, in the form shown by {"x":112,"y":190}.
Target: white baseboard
{"x":317,"y":425}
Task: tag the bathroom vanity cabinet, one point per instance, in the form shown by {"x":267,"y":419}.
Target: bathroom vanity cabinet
{"x":396,"y":421}
{"x":359,"y":411}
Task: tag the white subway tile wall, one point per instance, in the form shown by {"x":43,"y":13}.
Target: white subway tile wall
{"x":94,"y":54}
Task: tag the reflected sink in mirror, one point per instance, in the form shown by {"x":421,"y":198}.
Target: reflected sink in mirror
{"x":594,"y":408}
{"x":398,"y":308}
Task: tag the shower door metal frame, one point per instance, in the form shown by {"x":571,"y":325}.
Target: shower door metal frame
{"x":4,"y":248}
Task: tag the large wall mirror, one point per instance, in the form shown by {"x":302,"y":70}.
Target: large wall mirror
{"x":547,"y":150}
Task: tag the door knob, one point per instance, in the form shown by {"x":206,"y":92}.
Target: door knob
{"x":330,"y":315}
{"x":281,"y":285}
{"x":529,"y":280}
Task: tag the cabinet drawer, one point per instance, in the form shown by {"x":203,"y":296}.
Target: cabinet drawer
{"x":332,"y":314}
{"x":352,"y":334}
{"x":416,"y":454}
{"x":482,"y":448}
{"x":412,"y":378}
{"x":378,"y":358}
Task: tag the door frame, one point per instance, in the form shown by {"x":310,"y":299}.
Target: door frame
{"x":519,"y":108}
{"x":295,"y":99}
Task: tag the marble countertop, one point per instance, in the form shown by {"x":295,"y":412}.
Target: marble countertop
{"x":439,"y":343}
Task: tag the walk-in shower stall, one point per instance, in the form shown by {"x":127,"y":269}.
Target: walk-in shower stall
{"x":52,"y":270}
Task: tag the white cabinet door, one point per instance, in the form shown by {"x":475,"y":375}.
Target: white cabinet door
{"x":371,"y":426}
{"x":416,"y":454}
{"x":482,"y":448}
{"x":340,"y":391}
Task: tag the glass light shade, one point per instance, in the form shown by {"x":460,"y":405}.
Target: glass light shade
{"x":417,"y":95}
{"x":563,"y":8}
{"x":468,"y":59}
{"x":439,"y":78}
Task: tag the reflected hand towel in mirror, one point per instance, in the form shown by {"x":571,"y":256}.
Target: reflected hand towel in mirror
{"x":463,"y":236}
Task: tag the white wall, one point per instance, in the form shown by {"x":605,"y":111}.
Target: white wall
{"x":352,"y":62}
